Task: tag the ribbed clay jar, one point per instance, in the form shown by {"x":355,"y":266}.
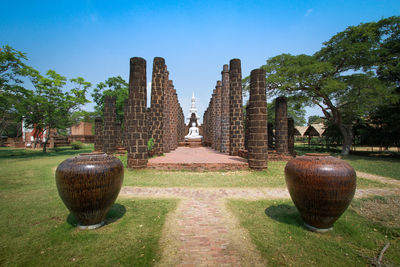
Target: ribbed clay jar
{"x":89,"y":184}
{"x":321,"y":188}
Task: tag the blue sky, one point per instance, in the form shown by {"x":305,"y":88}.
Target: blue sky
{"x":95,"y":39}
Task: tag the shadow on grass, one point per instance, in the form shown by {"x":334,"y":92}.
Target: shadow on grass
{"x":285,"y":214}
{"x":116,"y":212}
{"x":26,"y":153}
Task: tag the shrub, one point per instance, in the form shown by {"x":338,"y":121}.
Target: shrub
{"x":150,"y":144}
{"x":77,"y":145}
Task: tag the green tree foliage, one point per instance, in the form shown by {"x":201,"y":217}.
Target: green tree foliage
{"x":51,"y":105}
{"x":295,"y":111}
{"x":13,"y":95}
{"x":314,"y":119}
{"x":113,"y":86}
{"x":353,"y":73}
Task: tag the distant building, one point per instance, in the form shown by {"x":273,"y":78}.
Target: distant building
{"x":82,"y":132}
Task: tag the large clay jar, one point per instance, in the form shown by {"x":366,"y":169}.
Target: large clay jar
{"x":89,"y":184}
{"x":321,"y":188}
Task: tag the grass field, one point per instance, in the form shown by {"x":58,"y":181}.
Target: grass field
{"x":37,"y":229}
{"x":277,"y":231}
{"x":385,"y":164}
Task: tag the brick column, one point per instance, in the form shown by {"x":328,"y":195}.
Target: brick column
{"x":246,"y":128}
{"x":98,"y":134}
{"x":236,"y":133}
{"x":170,"y":127}
{"x":217,"y":137}
{"x":118,"y":135}
{"x":165,"y":113}
{"x":281,"y":125}
{"x":214,"y":120}
{"x":257,"y":114}
{"x":291,"y":136}
{"x":137,"y":123}
{"x":157,"y":104}
{"x":174,"y":119}
{"x":225,"y":128}
{"x":110,"y":117}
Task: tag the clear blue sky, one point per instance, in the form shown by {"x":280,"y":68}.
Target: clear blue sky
{"x":95,"y":39}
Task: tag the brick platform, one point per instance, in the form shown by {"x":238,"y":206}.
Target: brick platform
{"x":199,"y":159}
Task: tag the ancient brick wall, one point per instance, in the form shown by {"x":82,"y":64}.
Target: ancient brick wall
{"x":98,"y":134}
{"x":225,"y":127}
{"x":157,"y":104}
{"x":166,"y":130}
{"x":137,"y":131}
{"x":281,"y":125}
{"x":125,"y":126}
{"x":236,"y":135}
{"x":118,"y":134}
{"x":110,"y":117}
{"x":246,"y":128}
{"x":181,"y":125}
{"x":174,"y":119}
{"x":257,"y":121}
{"x":217,"y":115}
{"x":213,"y":132}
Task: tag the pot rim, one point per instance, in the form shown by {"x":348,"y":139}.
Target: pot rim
{"x":317,"y":154}
{"x":92,"y":154}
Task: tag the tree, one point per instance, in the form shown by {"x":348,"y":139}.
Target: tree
{"x":12,"y":93}
{"x":343,"y":78}
{"x":113,"y":86}
{"x":314,"y":119}
{"x":51,"y":107}
{"x":295,"y":111}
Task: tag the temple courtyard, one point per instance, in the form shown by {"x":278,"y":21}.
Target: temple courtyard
{"x":199,"y":158}
{"x":192,"y":218}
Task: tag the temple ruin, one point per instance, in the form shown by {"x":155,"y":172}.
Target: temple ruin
{"x":224,"y":127}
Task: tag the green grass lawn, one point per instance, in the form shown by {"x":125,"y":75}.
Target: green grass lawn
{"x":276,"y":229}
{"x":385,"y":164}
{"x":37,"y":229}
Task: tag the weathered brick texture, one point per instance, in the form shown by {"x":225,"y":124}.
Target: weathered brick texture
{"x":157,"y":104}
{"x":109,"y":133}
{"x":118,"y":134}
{"x":281,"y":125}
{"x":98,"y":134}
{"x":166,"y":130}
{"x":137,"y":131}
{"x":225,"y":128}
{"x":217,"y":115}
{"x":236,"y":141}
{"x":257,"y":121}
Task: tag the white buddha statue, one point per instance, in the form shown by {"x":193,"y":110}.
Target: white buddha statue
{"x":193,"y":132}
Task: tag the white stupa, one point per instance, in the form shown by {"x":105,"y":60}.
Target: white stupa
{"x":193,"y":109}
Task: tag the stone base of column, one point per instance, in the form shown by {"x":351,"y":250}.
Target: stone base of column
{"x":137,"y":163}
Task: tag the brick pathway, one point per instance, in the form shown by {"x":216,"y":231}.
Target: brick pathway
{"x":204,"y":231}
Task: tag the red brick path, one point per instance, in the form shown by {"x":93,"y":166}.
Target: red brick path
{"x":200,"y":158}
{"x":205,"y":236}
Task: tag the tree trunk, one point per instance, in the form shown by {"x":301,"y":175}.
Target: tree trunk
{"x":46,"y":141}
{"x":347,"y":134}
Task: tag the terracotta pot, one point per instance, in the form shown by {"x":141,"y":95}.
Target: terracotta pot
{"x":321,"y":188}
{"x":89,"y":184}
